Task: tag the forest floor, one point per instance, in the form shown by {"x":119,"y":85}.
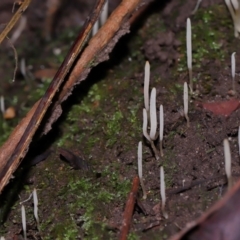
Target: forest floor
{"x":102,"y":123}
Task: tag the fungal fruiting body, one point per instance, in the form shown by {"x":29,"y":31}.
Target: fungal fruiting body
{"x":24,"y":224}
{"x":153,"y":115}
{"x":189,"y":53}
{"x":35,"y":204}
{"x":163,"y":192}
{"x":153,"y":123}
{"x":234,"y":9}
{"x":145,"y":123}
{"x":233,"y":70}
{"x":146,"y":85}
{"x":104,"y":13}
{"x":140,"y":175}
{"x":227,"y":157}
{"x":185,"y":102}
{"x":161,"y":126}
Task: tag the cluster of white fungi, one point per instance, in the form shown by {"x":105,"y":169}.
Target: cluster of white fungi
{"x":23,"y":213}
{"x":150,"y":115}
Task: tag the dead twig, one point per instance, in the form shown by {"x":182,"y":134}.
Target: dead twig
{"x":221,"y":221}
{"x":10,"y":163}
{"x":200,"y":182}
{"x":96,"y":52}
{"x":14,"y":19}
{"x":98,"y":49}
{"x":128,"y":212}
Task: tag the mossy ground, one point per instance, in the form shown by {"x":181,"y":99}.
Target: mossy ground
{"x":103,"y":120}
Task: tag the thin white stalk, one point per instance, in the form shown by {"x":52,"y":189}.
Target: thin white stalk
{"x":145,"y":123}
{"x":26,"y":199}
{"x":227,"y":157}
{"x":239,"y":139}
{"x":196,"y":7}
{"x":163,"y":192}
{"x":233,"y":7}
{"x":233,"y":68}
{"x":95,"y":28}
{"x":104,"y":13}
{"x":153,"y":115}
{"x":161,"y":126}
{"x":189,"y":52}
{"x":23,"y":68}
{"x":35,"y":204}
{"x":235,"y":4}
{"x":2,"y":104}
{"x":2,"y":238}
{"x":24,"y":224}
{"x":20,"y":28}
{"x":140,"y":169}
{"x":146,"y":85}
{"x":185,"y":102}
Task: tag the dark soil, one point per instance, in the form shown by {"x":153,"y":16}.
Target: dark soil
{"x":102,"y":121}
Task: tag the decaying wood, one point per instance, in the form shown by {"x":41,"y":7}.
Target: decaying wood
{"x":24,"y":5}
{"x":128,"y":212}
{"x":220,"y":222}
{"x":14,"y":150}
{"x":18,"y":143}
{"x":97,"y":51}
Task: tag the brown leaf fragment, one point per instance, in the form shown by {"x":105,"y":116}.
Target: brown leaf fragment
{"x":75,"y":161}
{"x":225,"y":108}
{"x":18,"y":145}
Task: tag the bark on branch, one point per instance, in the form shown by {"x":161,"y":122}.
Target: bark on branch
{"x":16,"y":147}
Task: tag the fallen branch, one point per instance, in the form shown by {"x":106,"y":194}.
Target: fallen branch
{"x":18,"y":144}
{"x":128,"y":212}
{"x":16,"y":147}
{"x":220,"y":222}
{"x":97,"y":51}
{"x":14,"y":19}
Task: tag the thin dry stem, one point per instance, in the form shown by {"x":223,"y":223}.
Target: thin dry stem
{"x":156,"y":153}
{"x":14,"y":19}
